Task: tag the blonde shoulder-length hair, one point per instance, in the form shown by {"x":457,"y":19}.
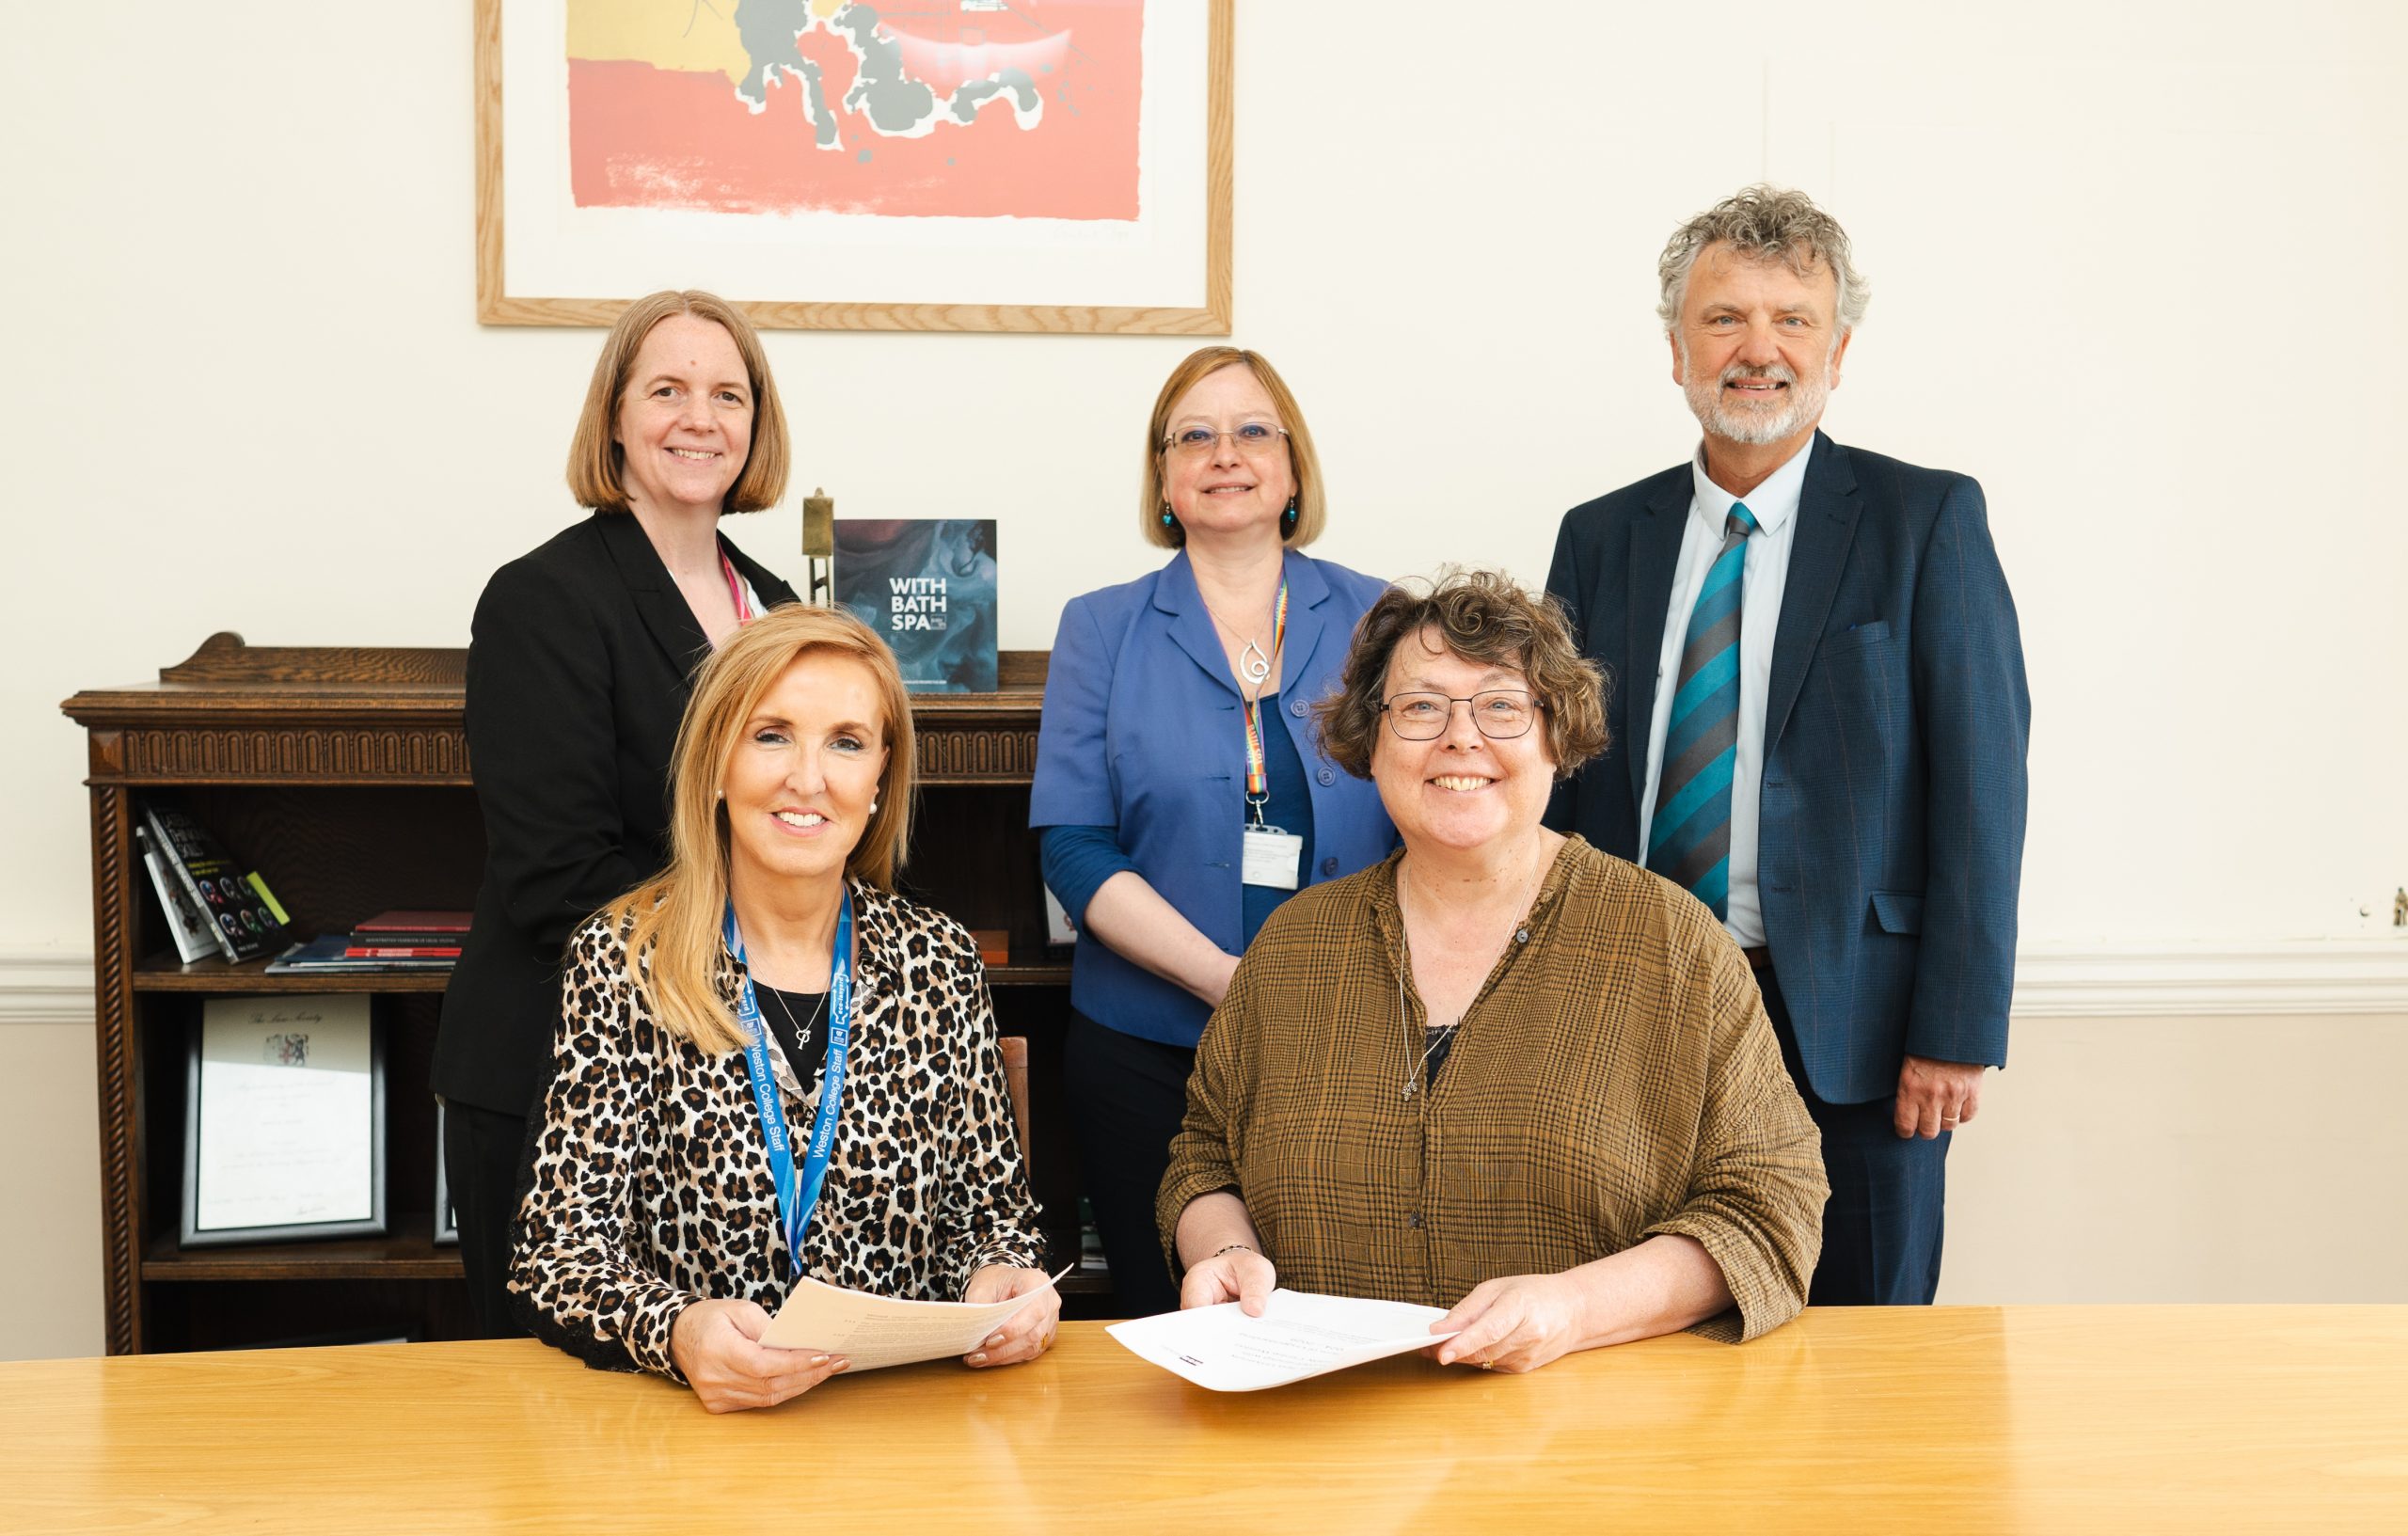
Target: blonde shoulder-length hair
{"x":1154,"y":497}
{"x":673,"y":920}
{"x":594,"y":457}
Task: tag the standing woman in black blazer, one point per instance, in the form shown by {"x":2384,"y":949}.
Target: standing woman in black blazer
{"x":580,"y":662}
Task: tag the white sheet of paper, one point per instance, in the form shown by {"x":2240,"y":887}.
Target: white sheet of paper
{"x":874,"y":1331}
{"x":286,"y":1101}
{"x":1299,"y":1335}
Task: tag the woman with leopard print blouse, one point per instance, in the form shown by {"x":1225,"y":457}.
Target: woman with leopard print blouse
{"x":683,"y":1174}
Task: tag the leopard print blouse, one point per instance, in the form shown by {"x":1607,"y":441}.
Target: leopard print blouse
{"x":646,"y":1184}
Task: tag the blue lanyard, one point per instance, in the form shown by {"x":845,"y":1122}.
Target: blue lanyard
{"x":798,"y":1199}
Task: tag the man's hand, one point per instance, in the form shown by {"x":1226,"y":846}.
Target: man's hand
{"x":1936,"y":1096}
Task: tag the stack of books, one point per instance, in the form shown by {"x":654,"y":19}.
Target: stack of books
{"x":215,"y":910}
{"x":389,"y":941}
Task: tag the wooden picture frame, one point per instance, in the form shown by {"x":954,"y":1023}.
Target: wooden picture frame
{"x":252,"y":1120}
{"x":942,"y":307}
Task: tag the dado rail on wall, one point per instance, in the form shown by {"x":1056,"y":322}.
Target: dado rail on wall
{"x":343,"y":776}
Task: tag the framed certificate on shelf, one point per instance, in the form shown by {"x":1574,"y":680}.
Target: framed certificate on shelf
{"x":284,"y":1121}
{"x":447,"y":1221}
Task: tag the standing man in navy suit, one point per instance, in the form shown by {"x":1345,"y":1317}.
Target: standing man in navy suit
{"x":1818,"y":724}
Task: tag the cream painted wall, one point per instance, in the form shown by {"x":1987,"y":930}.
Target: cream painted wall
{"x":50,"y":1193}
{"x":2133,"y":265}
{"x":2185,"y":1159}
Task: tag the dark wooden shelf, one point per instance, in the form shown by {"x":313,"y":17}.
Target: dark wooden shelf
{"x":408,"y":1254}
{"x":166,"y":974}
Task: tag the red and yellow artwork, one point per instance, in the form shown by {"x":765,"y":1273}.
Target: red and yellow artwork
{"x":950,"y":108}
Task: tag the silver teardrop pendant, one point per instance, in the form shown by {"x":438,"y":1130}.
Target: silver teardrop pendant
{"x":1252,"y":662}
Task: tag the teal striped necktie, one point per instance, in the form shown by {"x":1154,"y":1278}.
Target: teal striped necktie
{"x":1688,"y":842}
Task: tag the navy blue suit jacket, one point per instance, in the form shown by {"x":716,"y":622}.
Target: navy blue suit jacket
{"x":1890,"y":834}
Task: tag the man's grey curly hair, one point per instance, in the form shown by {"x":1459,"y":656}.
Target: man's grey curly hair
{"x":1764,"y":221}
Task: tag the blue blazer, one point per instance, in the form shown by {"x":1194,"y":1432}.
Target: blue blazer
{"x":1144,"y":731}
{"x":1890,"y":831}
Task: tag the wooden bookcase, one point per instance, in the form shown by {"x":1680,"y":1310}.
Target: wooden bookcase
{"x":343,"y":776}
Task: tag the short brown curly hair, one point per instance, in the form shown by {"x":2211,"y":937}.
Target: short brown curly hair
{"x":1481,"y":616}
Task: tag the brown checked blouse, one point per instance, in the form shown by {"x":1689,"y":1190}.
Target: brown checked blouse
{"x":1615,"y":1078}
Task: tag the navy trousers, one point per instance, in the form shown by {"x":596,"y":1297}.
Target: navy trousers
{"x":1881,"y":1229}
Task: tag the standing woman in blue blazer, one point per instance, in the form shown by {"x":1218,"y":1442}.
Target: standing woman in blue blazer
{"x":580,"y":661}
{"x":1180,"y":786}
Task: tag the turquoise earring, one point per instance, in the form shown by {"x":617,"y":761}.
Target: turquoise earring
{"x":1167,"y":517}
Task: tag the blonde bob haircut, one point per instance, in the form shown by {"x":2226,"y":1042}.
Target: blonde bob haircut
{"x":673,"y":920}
{"x":1152,"y":497}
{"x":594,"y":457}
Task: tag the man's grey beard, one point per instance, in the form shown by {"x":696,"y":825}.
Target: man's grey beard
{"x":1742,"y":423}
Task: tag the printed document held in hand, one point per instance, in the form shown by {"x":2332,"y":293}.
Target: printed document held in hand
{"x":1298,"y":1335}
{"x":874,"y":1331}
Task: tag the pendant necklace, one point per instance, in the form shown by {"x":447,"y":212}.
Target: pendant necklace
{"x":1253,"y":665}
{"x":801,"y":1030}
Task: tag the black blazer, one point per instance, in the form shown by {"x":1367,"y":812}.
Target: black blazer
{"x":580,"y":662}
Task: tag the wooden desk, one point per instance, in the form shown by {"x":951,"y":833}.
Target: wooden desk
{"x":2044,"y":1420}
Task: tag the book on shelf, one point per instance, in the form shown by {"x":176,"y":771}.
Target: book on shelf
{"x":401,"y":940}
{"x":928,"y":586}
{"x":244,"y":918}
{"x":413,"y":921}
{"x":194,"y":935}
{"x":408,"y":935}
{"x":326,"y":957}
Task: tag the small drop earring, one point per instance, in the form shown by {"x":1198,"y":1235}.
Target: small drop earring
{"x":1166,"y":516}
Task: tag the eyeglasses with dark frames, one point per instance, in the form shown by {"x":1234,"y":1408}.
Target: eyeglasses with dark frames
{"x":1499,"y":714}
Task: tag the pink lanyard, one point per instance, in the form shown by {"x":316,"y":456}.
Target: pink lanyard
{"x":735,"y":589}
{"x":1258,"y":776}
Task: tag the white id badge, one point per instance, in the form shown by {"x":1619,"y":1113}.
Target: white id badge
{"x":1272,"y":856}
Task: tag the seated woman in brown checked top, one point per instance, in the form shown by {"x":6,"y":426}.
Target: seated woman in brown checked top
{"x":1500,"y":1072}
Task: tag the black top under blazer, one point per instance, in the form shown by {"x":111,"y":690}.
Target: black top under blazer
{"x":580,"y":661}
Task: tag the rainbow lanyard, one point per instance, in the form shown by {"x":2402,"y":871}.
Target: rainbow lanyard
{"x":1257,"y":773}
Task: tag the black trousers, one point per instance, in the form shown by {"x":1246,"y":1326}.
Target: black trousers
{"x":1127,"y":1098}
{"x":481,"y":1152}
{"x":1882,"y":1229}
